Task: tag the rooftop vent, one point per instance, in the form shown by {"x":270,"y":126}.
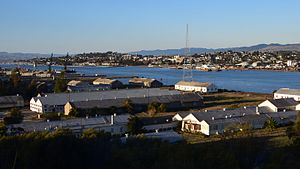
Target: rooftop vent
{"x":213,"y":118}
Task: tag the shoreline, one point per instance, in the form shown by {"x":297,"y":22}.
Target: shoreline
{"x":170,"y":67}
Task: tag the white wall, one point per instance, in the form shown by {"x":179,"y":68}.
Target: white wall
{"x":268,"y":104}
{"x":211,"y":88}
{"x":280,"y":96}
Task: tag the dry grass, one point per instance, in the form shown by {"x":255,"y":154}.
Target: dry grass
{"x":215,"y":101}
{"x":279,"y":133}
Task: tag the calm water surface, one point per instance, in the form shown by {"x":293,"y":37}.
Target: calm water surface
{"x":248,"y":80}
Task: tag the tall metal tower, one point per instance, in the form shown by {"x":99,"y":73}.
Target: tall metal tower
{"x":187,"y":68}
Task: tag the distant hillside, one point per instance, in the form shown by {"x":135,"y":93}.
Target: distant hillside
{"x":260,"y":47}
{"x":5,"y":56}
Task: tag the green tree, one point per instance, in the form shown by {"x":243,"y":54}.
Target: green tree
{"x":296,"y":127}
{"x":89,"y":133}
{"x":270,"y":124}
{"x":128,"y":105}
{"x":14,"y":116}
{"x":60,"y":84}
{"x":74,"y":112}
{"x":162,"y":108}
{"x":15,"y":78}
{"x":31,"y":89}
{"x":3,"y":129}
{"x":135,"y":125}
{"x":152,"y":108}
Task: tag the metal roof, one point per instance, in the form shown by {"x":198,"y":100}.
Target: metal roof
{"x":119,"y":102}
{"x":193,"y":83}
{"x":101,"y":121}
{"x":10,"y":99}
{"x":63,"y":98}
{"x":285,"y":102}
{"x":288,"y":91}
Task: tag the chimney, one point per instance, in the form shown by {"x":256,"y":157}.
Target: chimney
{"x":112,"y":120}
{"x":256,"y":110}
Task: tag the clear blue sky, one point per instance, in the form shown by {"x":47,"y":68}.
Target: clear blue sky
{"x":75,"y":26}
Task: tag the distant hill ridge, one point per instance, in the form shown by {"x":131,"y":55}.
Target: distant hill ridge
{"x":5,"y":56}
{"x":273,"y":47}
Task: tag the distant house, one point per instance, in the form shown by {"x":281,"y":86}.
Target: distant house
{"x":287,"y":93}
{"x":280,"y":104}
{"x":218,"y":121}
{"x":196,"y":87}
{"x":145,"y":82}
{"x":11,"y":101}
{"x":112,"y":83}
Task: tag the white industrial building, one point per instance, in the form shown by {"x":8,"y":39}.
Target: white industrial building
{"x":55,"y":102}
{"x":193,"y":86}
{"x":287,"y":93}
{"x":281,"y":104}
{"x":218,"y":121}
{"x":114,"y":124}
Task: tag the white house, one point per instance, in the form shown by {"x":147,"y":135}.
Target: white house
{"x":287,"y":93}
{"x":196,"y":87}
{"x":280,"y":104}
{"x":180,"y":116}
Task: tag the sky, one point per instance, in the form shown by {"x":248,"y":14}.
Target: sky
{"x":76,"y":26}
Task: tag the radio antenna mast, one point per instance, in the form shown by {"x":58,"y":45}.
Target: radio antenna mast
{"x":187,"y":71}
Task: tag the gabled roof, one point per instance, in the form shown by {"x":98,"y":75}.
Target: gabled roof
{"x":74,"y":82}
{"x":63,"y":98}
{"x":10,"y":99}
{"x":119,"y":102}
{"x":288,"y":91}
{"x":193,"y":83}
{"x":141,"y":80}
{"x":281,"y":103}
{"x":213,"y":115}
{"x":105,"y":81}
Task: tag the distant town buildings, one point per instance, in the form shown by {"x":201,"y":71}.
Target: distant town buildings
{"x":192,"y":86}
